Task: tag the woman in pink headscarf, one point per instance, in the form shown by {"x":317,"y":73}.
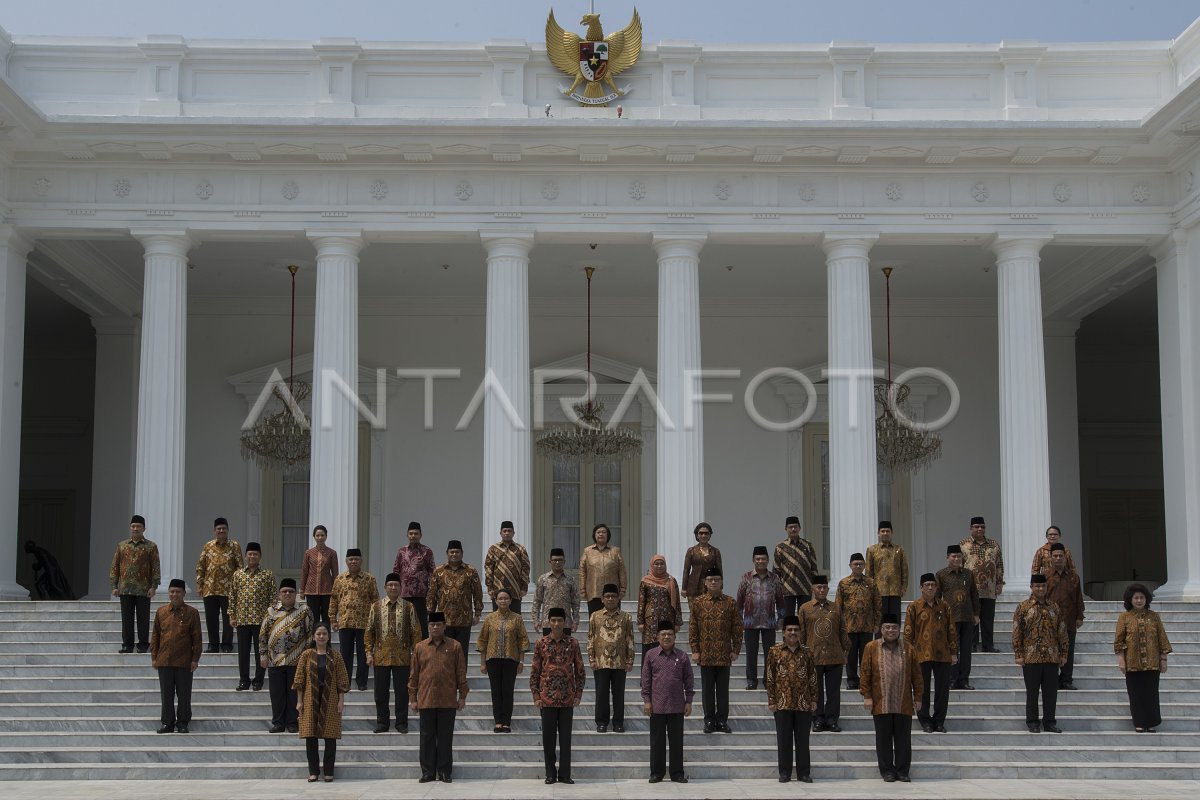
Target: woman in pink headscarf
{"x":658,"y":600}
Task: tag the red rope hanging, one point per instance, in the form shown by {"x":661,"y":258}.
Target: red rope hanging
{"x":292,"y":268}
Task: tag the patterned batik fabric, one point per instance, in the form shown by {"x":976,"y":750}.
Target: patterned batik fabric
{"x":1039,"y":633}
{"x":556,"y":677}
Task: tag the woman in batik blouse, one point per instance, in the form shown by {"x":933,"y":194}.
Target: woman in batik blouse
{"x":502,"y":643}
{"x":697,"y":561}
{"x":1141,"y":646}
{"x":658,"y":601}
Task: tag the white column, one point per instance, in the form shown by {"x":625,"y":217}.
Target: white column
{"x":853,"y":481}
{"x":158,"y":493}
{"x":114,"y":443}
{"x":1179,"y":379}
{"x":680,"y":467}
{"x":13,"y":250}
{"x":333,"y":475}
{"x":507,"y":443}
{"x":1024,"y":431}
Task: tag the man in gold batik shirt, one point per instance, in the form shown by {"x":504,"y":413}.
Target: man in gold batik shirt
{"x":251,"y":592}
{"x":349,"y":604}
{"x":715,"y":639}
{"x":393,"y":630}
{"x":219,"y":559}
{"x":610,"y":653}
{"x":956,"y":585}
{"x":826,"y":638}
{"x":984,"y":558}
{"x":860,"y":605}
{"x":285,"y":632}
{"x":929,"y":632}
{"x":792,"y":698}
{"x":506,"y":566}
{"x":455,"y":590}
{"x":1040,"y":646}
{"x":887,"y":565}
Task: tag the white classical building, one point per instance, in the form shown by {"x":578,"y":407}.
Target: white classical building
{"x":1038,"y":202}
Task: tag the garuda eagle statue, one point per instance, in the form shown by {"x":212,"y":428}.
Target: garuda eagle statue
{"x":596,"y":58}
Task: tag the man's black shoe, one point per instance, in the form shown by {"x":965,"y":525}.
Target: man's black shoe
{"x":256,"y":686}
{"x":551,"y":780}
{"x":243,"y":686}
{"x":1050,"y":727}
{"x":784,"y":778}
{"x":679,"y":779}
{"x":851,"y":684}
{"x":818,"y":726}
{"x":991,"y":650}
{"x":446,"y":778}
{"x":889,"y":778}
{"x":939,"y":728}
{"x":805,"y":779}
{"x":723,"y":727}
{"x":181,"y":728}
{"x":401,"y":728}
{"x":1033,"y":727}
{"x":293,"y":728}
{"x":166,"y":729}
{"x":656,"y":778}
{"x":1070,"y":687}
{"x":709,"y":727}
{"x":904,"y":778}
{"x":125,"y":650}
{"x":276,"y":729}
{"x":143,"y":648}
{"x":967,"y":686}
{"x":834,"y":728}
{"x":602,"y":727}
{"x":751,"y":684}
{"x":226,"y":648}
{"x":362,"y":687}
{"x":568,"y":781}
{"x":618,"y":728}
{"x":381,"y":727}
{"x":425,"y":779}
{"x":925,"y":726}
{"x":212,"y":648}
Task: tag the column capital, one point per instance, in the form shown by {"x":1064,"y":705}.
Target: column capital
{"x":1169,"y":246}
{"x":848,"y":245}
{"x":679,"y":245}
{"x":16,"y":240}
{"x":337,"y":243}
{"x":1010,"y":247}
{"x":159,"y":242}
{"x":510,"y":244}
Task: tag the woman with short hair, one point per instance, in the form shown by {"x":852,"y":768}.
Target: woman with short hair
{"x":697,"y":561}
{"x":502,"y":643}
{"x":600,"y":564}
{"x":1141,"y":646}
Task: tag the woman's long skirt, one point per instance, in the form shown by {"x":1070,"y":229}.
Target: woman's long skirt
{"x":1143,"y":698}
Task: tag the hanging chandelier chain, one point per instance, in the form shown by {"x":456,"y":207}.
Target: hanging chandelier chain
{"x":588,"y":271}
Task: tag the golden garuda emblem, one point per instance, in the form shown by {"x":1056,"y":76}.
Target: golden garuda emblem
{"x":596,"y":58}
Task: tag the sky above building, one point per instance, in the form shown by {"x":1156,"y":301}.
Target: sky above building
{"x":747,"y":21}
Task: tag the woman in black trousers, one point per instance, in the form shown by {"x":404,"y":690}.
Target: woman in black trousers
{"x":502,"y":643}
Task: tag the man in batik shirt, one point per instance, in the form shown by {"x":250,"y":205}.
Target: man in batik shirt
{"x":1063,"y":588}
{"x":887,"y":565}
{"x":929,"y":631}
{"x":610,"y":652}
{"x":349,"y":604}
{"x":285,"y":632}
{"x":219,"y":559}
{"x":134,"y":577}
{"x":251,"y":592}
{"x":392,"y":632}
{"x":761,"y":600}
{"x":555,"y":589}
{"x":715,"y":638}
{"x":506,"y":566}
{"x":791,"y":682}
{"x":982,"y":556}
{"x":414,"y":564}
{"x":826,"y":638}
{"x":795,"y":564}
{"x":860,"y":606}
{"x":556,"y":681}
{"x":1040,"y":647}
{"x":956,"y":585}
{"x":455,"y":590}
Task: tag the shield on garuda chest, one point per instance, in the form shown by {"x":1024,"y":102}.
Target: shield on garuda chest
{"x":593,"y":59}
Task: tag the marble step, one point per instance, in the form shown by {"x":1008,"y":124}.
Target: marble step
{"x":703,"y":748}
{"x":1066,"y":769}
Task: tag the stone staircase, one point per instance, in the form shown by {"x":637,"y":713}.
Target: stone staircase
{"x":72,"y":708}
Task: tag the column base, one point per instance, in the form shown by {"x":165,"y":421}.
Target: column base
{"x":13,"y":591}
{"x":1178,"y":590}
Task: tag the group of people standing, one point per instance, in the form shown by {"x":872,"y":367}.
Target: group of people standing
{"x":417,"y":635}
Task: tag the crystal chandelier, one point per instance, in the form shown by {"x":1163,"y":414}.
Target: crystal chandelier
{"x":589,"y":439}
{"x":282,"y":438}
{"x":897,"y":444}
